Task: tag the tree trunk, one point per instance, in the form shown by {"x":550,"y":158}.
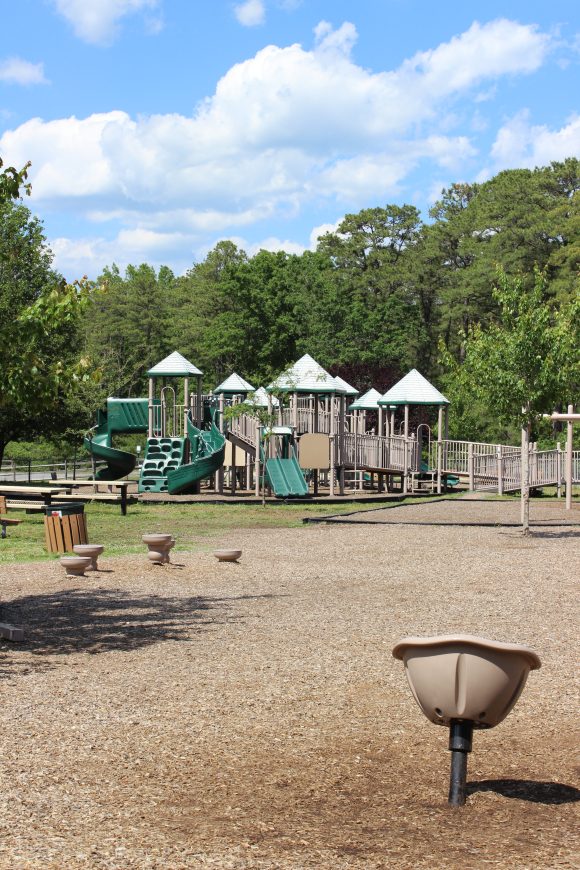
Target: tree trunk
{"x":525,"y":472}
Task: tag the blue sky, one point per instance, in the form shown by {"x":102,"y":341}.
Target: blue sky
{"x":158,"y":127}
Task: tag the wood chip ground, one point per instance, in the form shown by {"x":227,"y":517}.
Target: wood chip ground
{"x":214,"y":715}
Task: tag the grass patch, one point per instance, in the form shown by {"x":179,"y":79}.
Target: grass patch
{"x":193,"y":525}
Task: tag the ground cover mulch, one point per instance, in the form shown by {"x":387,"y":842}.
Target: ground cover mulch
{"x":251,"y":716}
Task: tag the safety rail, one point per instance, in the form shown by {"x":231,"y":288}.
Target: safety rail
{"x":457,"y":456}
{"x":503,"y":471}
{"x":244,"y":428}
{"x":373,"y":451}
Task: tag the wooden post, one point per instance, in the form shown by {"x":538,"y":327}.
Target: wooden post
{"x":525,"y":476}
{"x":569,"y":433}
{"x":185,"y":405}
{"x":313,"y":420}
{"x":470,"y":470}
{"x":332,"y":447}
{"x":406,"y":460}
{"x":199,"y":423}
{"x":341,"y":422}
{"x":257,"y":462}
{"x":151,"y":408}
{"x":439,"y":446}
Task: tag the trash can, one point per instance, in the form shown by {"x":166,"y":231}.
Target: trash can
{"x":64,"y":526}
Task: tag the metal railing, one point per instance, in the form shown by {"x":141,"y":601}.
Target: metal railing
{"x":456,"y":456}
{"x":27,"y":472}
{"x":244,"y":428}
{"x":373,"y":451}
{"x":503,"y":471}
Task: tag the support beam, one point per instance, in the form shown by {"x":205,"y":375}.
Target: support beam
{"x":439,"y":447}
{"x":151,"y":408}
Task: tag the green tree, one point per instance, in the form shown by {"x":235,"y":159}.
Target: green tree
{"x":40,"y":350}
{"x":375,"y":316}
{"x":525,"y":362}
{"x":520,"y":220}
{"x":12,"y":181}
{"x":130,"y":324}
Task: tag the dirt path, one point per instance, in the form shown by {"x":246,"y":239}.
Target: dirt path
{"x":251,"y":715}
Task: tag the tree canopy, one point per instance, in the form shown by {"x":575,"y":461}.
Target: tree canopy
{"x":384,"y":293}
{"x":40,"y":347}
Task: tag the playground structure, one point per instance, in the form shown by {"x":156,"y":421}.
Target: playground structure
{"x":308,"y":433}
{"x":183,"y":447}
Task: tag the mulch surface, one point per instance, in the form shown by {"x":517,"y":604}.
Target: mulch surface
{"x":252,"y":716}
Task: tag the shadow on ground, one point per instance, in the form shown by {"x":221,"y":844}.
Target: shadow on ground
{"x":528,"y":790}
{"x":103,"y":620}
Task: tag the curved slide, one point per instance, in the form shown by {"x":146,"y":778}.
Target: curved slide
{"x":122,"y":415}
{"x":119,"y":462}
{"x":207,"y":450}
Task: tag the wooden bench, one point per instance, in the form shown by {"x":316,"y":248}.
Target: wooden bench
{"x":29,"y":506}
{"x":8,"y":521}
{"x":4,"y":520}
{"x":73,"y":486}
{"x":42,"y":495}
{"x":107,"y":497}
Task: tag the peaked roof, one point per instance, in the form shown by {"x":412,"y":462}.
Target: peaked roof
{"x":234,"y":384}
{"x":174,"y":365}
{"x":260,"y":399}
{"x":350,"y":391}
{"x":368,"y":402}
{"x":413,"y":389}
{"x":305,"y":376}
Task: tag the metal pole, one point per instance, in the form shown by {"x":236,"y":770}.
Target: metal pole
{"x":439,"y":447}
{"x":569,"y":433}
{"x":460,"y":736}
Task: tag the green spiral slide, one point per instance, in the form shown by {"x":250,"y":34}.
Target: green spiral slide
{"x":121,"y":415}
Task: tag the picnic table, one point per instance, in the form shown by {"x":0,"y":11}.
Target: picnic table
{"x":72,"y":488}
{"x":29,"y":497}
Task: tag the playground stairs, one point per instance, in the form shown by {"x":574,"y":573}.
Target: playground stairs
{"x":163,"y":455}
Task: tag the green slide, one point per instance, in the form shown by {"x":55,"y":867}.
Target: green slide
{"x":207,"y":450}
{"x":286,"y":478}
{"x":122,"y":415}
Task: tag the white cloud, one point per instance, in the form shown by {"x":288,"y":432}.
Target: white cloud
{"x":482,"y":52}
{"x":284,"y":128}
{"x":97,"y":21}
{"x":250,"y":13}
{"x":15,"y":70}
{"x":520,"y":143}
{"x":273,"y":244}
{"x":321,"y":230}
{"x":87,"y":256}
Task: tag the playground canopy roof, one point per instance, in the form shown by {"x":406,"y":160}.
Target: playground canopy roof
{"x":234,"y":385}
{"x":350,"y":391}
{"x":368,"y":402}
{"x":174,"y":365}
{"x":306,"y":376}
{"x":260,"y":399}
{"x":413,"y":389}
